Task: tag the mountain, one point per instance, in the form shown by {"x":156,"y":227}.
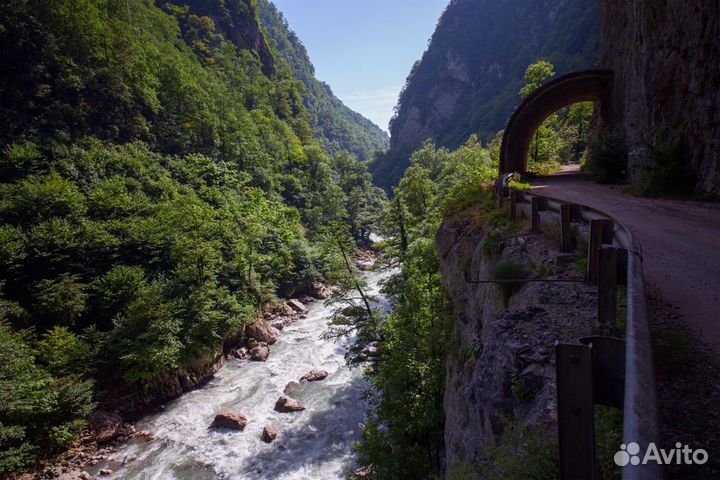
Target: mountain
{"x":336,"y":126}
{"x":159,"y":185}
{"x":467,"y":81}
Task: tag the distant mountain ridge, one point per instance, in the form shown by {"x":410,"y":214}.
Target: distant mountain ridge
{"x":335,"y":125}
{"x":467,"y":81}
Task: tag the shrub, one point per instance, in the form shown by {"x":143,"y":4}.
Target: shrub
{"x":508,"y":270}
{"x":607,"y":156}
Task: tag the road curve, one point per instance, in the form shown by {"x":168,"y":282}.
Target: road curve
{"x":680,"y":242}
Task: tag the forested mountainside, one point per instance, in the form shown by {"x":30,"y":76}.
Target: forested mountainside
{"x":338,"y":127}
{"x":159,"y":183}
{"x":468,"y":80}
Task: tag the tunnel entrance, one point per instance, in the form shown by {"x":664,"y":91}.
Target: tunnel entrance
{"x":584,"y":86}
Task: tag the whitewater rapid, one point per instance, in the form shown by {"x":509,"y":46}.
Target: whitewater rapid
{"x":314,"y":444}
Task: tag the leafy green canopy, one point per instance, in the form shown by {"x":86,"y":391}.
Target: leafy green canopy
{"x":158,"y":184}
{"x":403,"y":438}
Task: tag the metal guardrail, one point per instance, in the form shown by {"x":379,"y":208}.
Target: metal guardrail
{"x":631,"y":386}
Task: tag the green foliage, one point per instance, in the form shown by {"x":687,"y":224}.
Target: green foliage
{"x":493,"y":243}
{"x":338,"y":128}
{"x":403,"y":438}
{"x":38,"y":412}
{"x":535,"y":76}
{"x":523,"y":453}
{"x":506,"y":271}
{"x":159,"y":182}
{"x":607,"y":156}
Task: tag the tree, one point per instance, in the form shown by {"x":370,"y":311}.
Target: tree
{"x":535,"y":75}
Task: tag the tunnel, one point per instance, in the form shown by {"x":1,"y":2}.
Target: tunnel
{"x":583,"y":86}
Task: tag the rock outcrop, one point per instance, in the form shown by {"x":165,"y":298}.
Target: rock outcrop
{"x":315,"y":376}
{"x":231,"y":419}
{"x":262,"y":331}
{"x":105,"y":426}
{"x":269,"y":434}
{"x":288,"y":405}
{"x":260,"y":352}
{"x":665,"y":56}
{"x":468,"y":79}
{"x":500,"y":367}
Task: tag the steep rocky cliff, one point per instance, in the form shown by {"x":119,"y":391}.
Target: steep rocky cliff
{"x":237,"y":21}
{"x":468,"y":80}
{"x":500,"y":370}
{"x":666,"y":59}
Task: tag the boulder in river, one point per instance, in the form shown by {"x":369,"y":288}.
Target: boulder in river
{"x":227,"y":418}
{"x":269,"y":434}
{"x":315,"y":375}
{"x":287,"y":405}
{"x":105,"y":425}
{"x":262,"y":331}
{"x":297,"y":305}
{"x":260,"y":353}
{"x":145,"y":436}
{"x":290,"y":387}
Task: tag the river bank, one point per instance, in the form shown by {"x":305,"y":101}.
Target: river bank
{"x":175,"y":441}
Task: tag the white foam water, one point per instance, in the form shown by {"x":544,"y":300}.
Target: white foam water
{"x":313,"y":444}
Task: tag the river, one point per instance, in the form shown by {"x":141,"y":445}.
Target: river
{"x":314,"y":444}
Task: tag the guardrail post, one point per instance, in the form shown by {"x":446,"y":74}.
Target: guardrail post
{"x":535,"y":215}
{"x":594,"y":242}
{"x":576,"y":414}
{"x":576,"y":212}
{"x":607,"y":288}
{"x":622,"y":266}
{"x":608,"y":231}
{"x":567,"y":242}
{"x":513,"y":204}
{"x":544,"y":204}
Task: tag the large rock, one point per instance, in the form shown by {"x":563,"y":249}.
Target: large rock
{"x":287,"y":405}
{"x":296,"y":305}
{"x":262,"y":331}
{"x":315,"y":375}
{"x":71,"y":475}
{"x":260,"y":353}
{"x":283,"y":310}
{"x":105,"y":425}
{"x":227,"y":418}
{"x":269,"y":434}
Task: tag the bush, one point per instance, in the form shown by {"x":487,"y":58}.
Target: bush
{"x":39,"y":414}
{"x":607,"y":156}
{"x":508,"y":270}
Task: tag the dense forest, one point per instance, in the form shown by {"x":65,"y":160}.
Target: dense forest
{"x":467,"y":81}
{"x":160,"y":181}
{"x":336,"y":126}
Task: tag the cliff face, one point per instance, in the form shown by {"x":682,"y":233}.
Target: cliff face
{"x":238,"y":21}
{"x":500,"y":370}
{"x":666,"y":58}
{"x":469,"y":78}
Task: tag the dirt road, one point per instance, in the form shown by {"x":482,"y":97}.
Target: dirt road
{"x":680,"y":242}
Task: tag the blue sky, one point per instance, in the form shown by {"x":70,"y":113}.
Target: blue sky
{"x":364,"y":49}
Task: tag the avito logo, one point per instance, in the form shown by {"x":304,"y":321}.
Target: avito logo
{"x":682,"y":454}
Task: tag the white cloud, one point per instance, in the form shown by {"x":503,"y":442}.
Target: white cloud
{"x":377,"y":105}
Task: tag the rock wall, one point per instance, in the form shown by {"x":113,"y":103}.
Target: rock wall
{"x":500,"y":368}
{"x":666,"y":58}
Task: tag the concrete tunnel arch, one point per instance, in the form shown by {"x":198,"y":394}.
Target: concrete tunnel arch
{"x":582,"y":86}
